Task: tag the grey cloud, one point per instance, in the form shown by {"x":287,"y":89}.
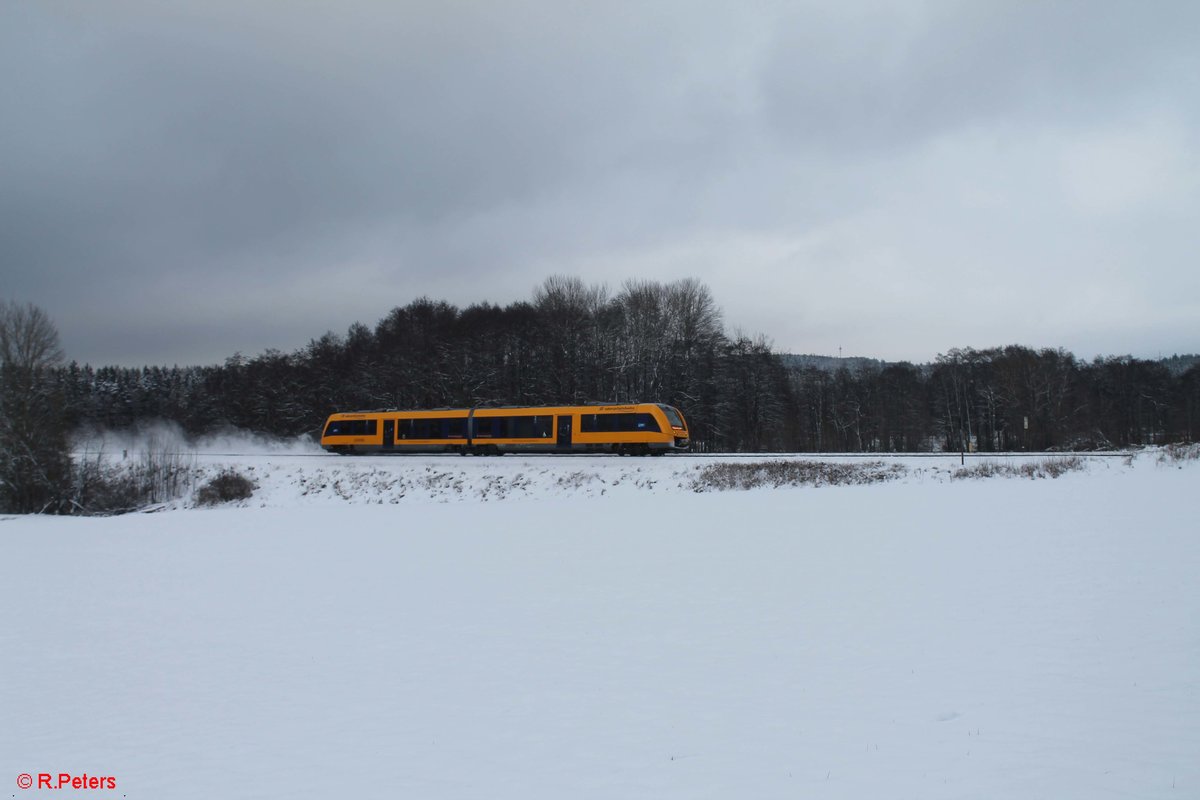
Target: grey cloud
{"x":842,"y":78}
{"x":275,"y":170}
{"x":212,"y":139}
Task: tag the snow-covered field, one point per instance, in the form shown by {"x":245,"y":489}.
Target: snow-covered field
{"x":444,"y":627}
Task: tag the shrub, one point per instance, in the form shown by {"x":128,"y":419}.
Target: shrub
{"x":1048,"y":468}
{"x":226,"y":487}
{"x":1178,"y":453}
{"x":726,"y":475}
{"x":102,"y":488}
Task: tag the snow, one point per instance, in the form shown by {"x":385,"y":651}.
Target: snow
{"x":604,"y":631}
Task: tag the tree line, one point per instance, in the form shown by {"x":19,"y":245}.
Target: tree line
{"x":576,"y":343}
{"x":658,"y":342}
{"x":570,"y":343}
{"x":995,"y":400}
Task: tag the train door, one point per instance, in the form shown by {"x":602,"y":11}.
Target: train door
{"x":389,"y":434}
{"x":564,"y":432}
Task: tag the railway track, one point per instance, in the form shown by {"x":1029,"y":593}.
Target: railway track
{"x":673,"y":456}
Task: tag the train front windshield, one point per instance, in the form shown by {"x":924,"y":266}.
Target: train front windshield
{"x":673,"y":417}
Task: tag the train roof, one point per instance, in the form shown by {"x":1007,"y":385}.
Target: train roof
{"x":589,"y":404}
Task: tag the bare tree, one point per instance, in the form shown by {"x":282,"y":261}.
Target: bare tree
{"x":570,"y":312}
{"x":643,"y":339}
{"x":28,"y":339}
{"x":34,"y":463}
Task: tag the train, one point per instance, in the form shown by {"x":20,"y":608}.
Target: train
{"x":635,"y":429}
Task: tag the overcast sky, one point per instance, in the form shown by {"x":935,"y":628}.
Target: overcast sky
{"x":180,"y":181}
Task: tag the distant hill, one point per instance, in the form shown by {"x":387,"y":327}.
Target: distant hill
{"x":1176,"y":364}
{"x":1180,"y":364}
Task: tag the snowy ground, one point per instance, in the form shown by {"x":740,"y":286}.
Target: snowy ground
{"x":373,"y":628}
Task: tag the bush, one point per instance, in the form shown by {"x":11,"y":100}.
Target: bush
{"x":225,"y":488}
{"x":727,"y":475}
{"x":101,"y":488}
{"x":1178,"y":453}
{"x":1049,"y":468}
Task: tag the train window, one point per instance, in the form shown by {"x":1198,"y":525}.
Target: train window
{"x":647,"y":422}
{"x":530,"y":427}
{"x":673,"y":417}
{"x":351,"y":427}
{"x":522,"y":427}
{"x":598,"y":423}
{"x":432,"y":428}
{"x":618,"y":423}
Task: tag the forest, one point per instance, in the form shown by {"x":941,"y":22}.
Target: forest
{"x":572,"y":342}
